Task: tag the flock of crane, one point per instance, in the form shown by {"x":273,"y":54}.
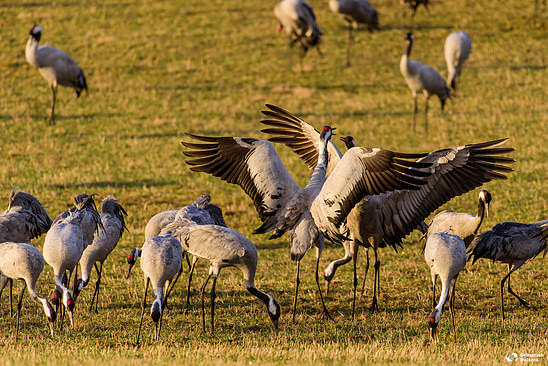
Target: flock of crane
{"x":368,"y":197}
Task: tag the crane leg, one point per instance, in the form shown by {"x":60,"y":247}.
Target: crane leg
{"x":194,"y":260}
{"x":297,"y":282}
{"x":452,"y":304}
{"x":11,"y":297}
{"x":168,"y":292}
{"x":355,"y":280}
{"x":143,"y":306}
{"x":434,"y":291}
{"x":415,"y":109}
{"x":19,"y":305}
{"x":374,"y":307}
{"x":366,"y":270}
{"x":187,"y":260}
{"x":213,"y":296}
{"x":99,"y":271}
{"x":521,"y":301}
{"x":350,"y":40}
{"x":52,"y":117}
{"x":426,"y":115}
{"x":202,"y":289}
{"x":324,"y":312}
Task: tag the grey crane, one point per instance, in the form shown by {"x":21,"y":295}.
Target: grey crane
{"x":298,"y":20}
{"x":24,"y":219}
{"x":458,"y":46}
{"x":161,"y":262}
{"x":462,"y":224}
{"x":414,"y":4}
{"x":113,"y":223}
{"x":64,"y":244}
{"x":513,"y":243}
{"x":55,"y":66}
{"x":385,"y":219}
{"x":318,"y":209}
{"x":223,"y":247}
{"x":355,"y":12}
{"x":25,"y":262}
{"x":445,"y":254}
{"x":202,"y":211}
{"x":422,"y":78}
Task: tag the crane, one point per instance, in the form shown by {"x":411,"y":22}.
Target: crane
{"x":314,"y":211}
{"x":458,"y":46}
{"x":513,"y":243}
{"x":422,"y":78}
{"x":55,"y":66}
{"x":25,"y":262}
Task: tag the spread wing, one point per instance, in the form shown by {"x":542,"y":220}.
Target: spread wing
{"x":455,"y":171}
{"x":252,"y":164}
{"x":361,"y":172}
{"x":298,"y":135}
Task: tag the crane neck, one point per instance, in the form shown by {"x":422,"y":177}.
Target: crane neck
{"x":481,"y":214}
{"x":409,"y":47}
{"x":30,"y":51}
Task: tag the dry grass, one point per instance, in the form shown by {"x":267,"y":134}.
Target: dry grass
{"x":157,"y":69}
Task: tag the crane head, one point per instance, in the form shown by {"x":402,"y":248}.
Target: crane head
{"x":327,"y":132}
{"x":132,"y":258}
{"x":348,"y":141}
{"x":273,"y":312}
{"x":485,"y":198}
{"x":433,"y":321}
{"x":409,"y":37}
{"x":36,"y":32}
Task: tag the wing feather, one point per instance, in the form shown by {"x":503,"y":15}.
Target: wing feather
{"x":252,"y":164}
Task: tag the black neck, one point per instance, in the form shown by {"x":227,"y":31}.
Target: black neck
{"x":261,"y":295}
{"x":409,"y":46}
{"x":481,"y":213}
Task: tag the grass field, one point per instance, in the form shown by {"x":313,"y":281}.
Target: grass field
{"x":156,"y":69}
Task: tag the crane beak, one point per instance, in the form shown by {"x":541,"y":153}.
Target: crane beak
{"x":487,"y":210}
{"x":327,"y":283}
{"x":70,"y":314}
{"x":50,"y":323}
{"x":129,"y":271}
{"x":275,"y":326}
{"x":433,"y":332}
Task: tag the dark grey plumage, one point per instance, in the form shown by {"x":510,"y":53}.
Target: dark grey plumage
{"x":513,"y":243}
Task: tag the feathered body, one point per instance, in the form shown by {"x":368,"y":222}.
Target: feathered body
{"x":104,"y":242}
{"x":513,"y":243}
{"x":445,"y":255}
{"x":25,"y":262}
{"x":458,"y":46}
{"x":356,"y":12}
{"x":25,"y":218}
{"x":55,"y":66}
{"x":158,"y":222}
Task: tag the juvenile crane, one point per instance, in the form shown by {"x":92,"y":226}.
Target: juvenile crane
{"x":458,"y":46}
{"x":25,"y":218}
{"x":161,"y":262}
{"x":445,"y":254}
{"x":25,"y":262}
{"x":422,"y":78}
{"x":355,"y":12}
{"x":513,"y":243}
{"x":64,"y":244}
{"x":297,"y":19}
{"x":223,"y":247}
{"x":462,"y":224}
{"x":55,"y":66}
{"x":322,"y":206}
{"x":113,"y":223}
{"x":385,"y":219}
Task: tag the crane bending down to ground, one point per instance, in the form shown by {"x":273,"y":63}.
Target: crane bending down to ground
{"x":55,"y":66}
{"x":223,"y":247}
{"x":461,"y":224}
{"x":297,"y":19}
{"x":161,"y":262}
{"x":422,"y":78}
{"x":25,"y":262}
{"x":513,"y":243}
{"x":445,"y":254}
{"x":314,"y":211}
{"x":385,"y":219}
{"x":25,"y":218}
{"x":64,"y":244}
{"x":355,"y":12}
{"x":458,"y":46}
{"x":112,"y":219}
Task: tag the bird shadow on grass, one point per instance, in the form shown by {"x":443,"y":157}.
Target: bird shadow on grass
{"x":123,"y":184}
